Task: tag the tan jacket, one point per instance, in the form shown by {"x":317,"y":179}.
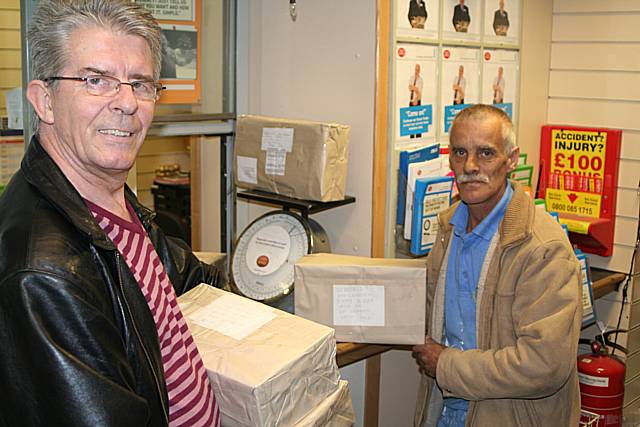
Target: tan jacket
{"x":528,"y":323}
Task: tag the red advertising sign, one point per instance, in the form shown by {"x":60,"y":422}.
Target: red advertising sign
{"x":578,"y":179}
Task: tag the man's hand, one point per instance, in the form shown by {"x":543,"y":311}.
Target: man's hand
{"x":427,"y":355}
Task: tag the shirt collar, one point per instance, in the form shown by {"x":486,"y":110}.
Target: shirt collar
{"x":489,"y":225}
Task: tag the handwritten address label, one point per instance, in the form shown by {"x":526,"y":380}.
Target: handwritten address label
{"x":233,"y":316}
{"x":358,"y":305}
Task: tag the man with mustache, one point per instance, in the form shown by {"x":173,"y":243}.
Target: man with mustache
{"x":91,"y":331}
{"x":503,"y":295}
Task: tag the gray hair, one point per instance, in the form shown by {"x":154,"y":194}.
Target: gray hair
{"x":55,"y":21}
{"x":482,"y":112}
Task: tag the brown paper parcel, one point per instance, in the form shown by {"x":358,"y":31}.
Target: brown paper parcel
{"x":366,"y":300}
{"x":275,"y":375}
{"x":295,"y":158}
{"x":335,"y":411}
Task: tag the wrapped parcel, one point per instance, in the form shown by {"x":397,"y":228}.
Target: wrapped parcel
{"x":267,"y":367}
{"x":366,"y":300}
{"x":294,"y":158}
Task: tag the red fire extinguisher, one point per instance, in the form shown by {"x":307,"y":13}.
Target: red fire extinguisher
{"x":601,"y":377}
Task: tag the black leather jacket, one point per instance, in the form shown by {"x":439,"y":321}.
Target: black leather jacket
{"x":78,"y":344}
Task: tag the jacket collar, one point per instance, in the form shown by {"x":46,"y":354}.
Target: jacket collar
{"x":517,"y":223}
{"x":43,"y":173}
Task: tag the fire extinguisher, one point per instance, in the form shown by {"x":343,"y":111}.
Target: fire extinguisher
{"x":601,"y":377}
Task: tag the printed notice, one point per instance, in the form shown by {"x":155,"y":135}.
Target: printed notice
{"x":358,"y":305}
{"x":177,"y":10}
{"x":247,"y":169}
{"x":233,"y":316}
{"x":279,"y":139}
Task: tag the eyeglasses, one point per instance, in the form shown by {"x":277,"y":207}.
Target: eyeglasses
{"x":100,"y":85}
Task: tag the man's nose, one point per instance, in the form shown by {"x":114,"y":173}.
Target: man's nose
{"x":125,"y":101}
{"x":471,"y":164}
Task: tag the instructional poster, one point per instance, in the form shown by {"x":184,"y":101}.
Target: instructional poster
{"x":417,"y":19}
{"x":500,"y":79}
{"x":179,"y":56}
{"x":179,"y":22}
{"x":460,"y":80}
{"x":502,"y":21}
{"x":415,"y":94}
{"x":174,"y":10}
{"x":461,"y":20}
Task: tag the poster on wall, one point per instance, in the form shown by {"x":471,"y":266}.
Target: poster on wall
{"x":174,"y":10}
{"x":417,"y":19}
{"x":461,"y":20}
{"x":179,"y":22}
{"x":500,"y":71}
{"x":502,"y":22}
{"x":179,"y":56}
{"x":415,"y":94}
{"x":460,"y":80}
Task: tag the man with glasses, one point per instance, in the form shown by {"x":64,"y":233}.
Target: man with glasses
{"x":90,"y":328}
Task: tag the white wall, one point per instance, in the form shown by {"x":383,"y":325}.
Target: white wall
{"x":320,"y":67}
{"x":594,"y":80}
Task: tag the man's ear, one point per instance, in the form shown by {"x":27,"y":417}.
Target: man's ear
{"x":512,"y":161}
{"x":39,"y":96}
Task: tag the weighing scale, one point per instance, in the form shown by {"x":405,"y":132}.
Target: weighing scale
{"x":266,"y":251}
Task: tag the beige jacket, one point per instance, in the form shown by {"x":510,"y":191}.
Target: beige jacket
{"x":528,"y":323}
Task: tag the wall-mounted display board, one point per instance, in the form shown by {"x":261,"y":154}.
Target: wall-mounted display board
{"x":445,"y":56}
{"x":418,"y":19}
{"x":462,"y":20}
{"x":579,"y":180}
{"x":460,"y":85}
{"x":502,"y":22}
{"x":416,"y":86}
{"x":180,"y":24}
{"x":500,"y":73}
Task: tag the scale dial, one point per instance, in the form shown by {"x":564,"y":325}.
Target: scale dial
{"x":264,"y":256}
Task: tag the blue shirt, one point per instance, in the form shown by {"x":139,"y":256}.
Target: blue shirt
{"x":466,"y":257}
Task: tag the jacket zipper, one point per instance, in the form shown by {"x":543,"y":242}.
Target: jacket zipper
{"x":139,"y":337}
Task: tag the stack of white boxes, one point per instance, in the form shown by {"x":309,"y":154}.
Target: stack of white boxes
{"x":267,"y":367}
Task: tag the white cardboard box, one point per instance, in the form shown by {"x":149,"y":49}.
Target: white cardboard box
{"x":267,"y":367}
{"x":335,"y":411}
{"x":366,"y":300}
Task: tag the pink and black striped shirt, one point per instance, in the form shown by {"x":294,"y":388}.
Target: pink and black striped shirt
{"x":191,"y":399}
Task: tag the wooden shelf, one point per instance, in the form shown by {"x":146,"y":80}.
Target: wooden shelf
{"x":604,"y":281}
{"x":348,"y":353}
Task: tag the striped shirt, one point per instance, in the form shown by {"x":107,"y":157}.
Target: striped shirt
{"x":191,"y":399}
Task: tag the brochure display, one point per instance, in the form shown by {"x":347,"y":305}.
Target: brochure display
{"x":408,"y":157}
{"x":588,"y":309}
{"x":432,"y":195}
{"x":418,"y":19}
{"x":579,"y":180}
{"x":502,"y":22}
{"x":417,"y":171}
{"x":460,"y":82}
{"x":415,"y":94}
{"x":446,"y":56}
{"x":500,"y":71}
{"x":461,"y":20}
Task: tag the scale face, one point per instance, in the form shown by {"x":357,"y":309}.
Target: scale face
{"x":264,"y":256}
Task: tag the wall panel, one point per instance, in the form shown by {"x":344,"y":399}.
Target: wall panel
{"x":591,"y":6}
{"x":610,"y":27}
{"x":605,"y":85}
{"x":595,"y":56}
